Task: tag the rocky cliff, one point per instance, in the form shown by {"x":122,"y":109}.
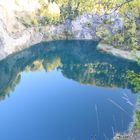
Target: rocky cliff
{"x":14,"y":36}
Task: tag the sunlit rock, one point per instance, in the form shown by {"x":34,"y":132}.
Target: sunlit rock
{"x":53,"y":9}
{"x":46,"y":2}
{"x":27,"y":5}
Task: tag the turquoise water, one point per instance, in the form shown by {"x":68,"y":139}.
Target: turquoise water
{"x":65,"y":90}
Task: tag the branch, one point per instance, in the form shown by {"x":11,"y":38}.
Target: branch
{"x":119,"y":6}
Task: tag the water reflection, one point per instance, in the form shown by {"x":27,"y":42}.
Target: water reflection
{"x":68,"y":91}
{"x":77,"y":60}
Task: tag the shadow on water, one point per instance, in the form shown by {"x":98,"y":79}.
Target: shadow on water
{"x":77,"y":60}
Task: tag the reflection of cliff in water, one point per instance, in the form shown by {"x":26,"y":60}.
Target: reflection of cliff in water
{"x":77,"y":60}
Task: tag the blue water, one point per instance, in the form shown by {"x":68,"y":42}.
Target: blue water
{"x":40,"y":103}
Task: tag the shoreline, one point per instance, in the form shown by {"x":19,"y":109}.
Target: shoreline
{"x":133,"y":56}
{"x":105,"y":48}
{"x":83,"y":27}
{"x":133,"y":133}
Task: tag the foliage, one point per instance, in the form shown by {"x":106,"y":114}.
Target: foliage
{"x":128,"y":10}
{"x":49,"y":12}
{"x":134,"y":79}
{"x":137,"y":124}
{"x":57,"y":11}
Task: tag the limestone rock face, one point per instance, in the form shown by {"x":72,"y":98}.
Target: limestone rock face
{"x":87,"y":25}
{"x":8,"y":18}
{"x":10,"y":10}
{"x":15,"y":37}
{"x":13,"y":43}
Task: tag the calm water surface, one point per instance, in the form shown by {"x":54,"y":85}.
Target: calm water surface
{"x":65,"y":90}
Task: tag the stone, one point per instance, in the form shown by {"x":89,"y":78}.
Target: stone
{"x":83,"y":27}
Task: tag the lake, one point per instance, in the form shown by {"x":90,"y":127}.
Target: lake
{"x":65,"y":90}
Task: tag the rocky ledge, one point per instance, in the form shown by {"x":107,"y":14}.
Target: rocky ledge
{"x":130,"y":136}
{"x":134,"y":56}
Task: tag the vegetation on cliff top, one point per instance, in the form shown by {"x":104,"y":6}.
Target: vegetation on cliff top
{"x":57,"y":11}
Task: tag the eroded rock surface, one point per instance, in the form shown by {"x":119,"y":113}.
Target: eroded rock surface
{"x":15,"y":37}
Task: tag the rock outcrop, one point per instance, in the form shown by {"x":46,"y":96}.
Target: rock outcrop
{"x":87,"y":25}
{"x":11,"y":43}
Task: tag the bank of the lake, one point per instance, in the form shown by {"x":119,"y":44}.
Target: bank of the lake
{"x":134,"y":133}
{"x":10,"y":44}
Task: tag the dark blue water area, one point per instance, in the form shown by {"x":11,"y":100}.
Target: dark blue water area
{"x":49,"y":106}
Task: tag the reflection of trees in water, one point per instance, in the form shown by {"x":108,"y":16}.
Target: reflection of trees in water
{"x":77,"y":60}
{"x":10,"y":86}
{"x":99,"y":74}
{"x":50,"y":65}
